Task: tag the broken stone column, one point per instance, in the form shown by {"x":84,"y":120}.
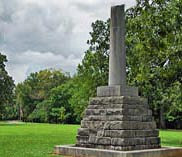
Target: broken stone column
{"x":117,"y":58}
{"x":118,"y":119}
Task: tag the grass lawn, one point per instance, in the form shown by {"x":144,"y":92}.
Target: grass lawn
{"x":34,"y":140}
{"x":171,"y":138}
{"x":38,"y":140}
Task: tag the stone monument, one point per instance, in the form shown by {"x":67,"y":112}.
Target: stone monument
{"x":118,"y":122}
{"x":118,"y":119}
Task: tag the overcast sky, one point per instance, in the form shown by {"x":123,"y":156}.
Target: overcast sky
{"x":40,"y":34}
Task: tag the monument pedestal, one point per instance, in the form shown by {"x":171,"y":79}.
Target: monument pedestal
{"x":118,"y":126}
{"x":118,"y":123}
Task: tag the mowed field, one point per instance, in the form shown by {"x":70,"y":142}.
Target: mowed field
{"x":38,"y":140}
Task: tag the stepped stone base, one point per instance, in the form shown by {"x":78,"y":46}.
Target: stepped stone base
{"x":118,"y":123}
{"x":71,"y":150}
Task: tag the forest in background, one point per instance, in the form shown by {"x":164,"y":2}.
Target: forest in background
{"x":154,"y":64}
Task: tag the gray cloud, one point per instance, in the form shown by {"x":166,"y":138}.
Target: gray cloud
{"x":36,"y":28}
{"x":87,"y":6}
{"x":39,"y":34}
{"x":7,"y":9}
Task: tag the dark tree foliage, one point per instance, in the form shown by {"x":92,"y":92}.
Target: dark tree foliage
{"x":154,"y":50}
{"x":6,"y":85}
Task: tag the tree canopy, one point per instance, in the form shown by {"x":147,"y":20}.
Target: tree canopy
{"x":36,"y":89}
{"x":6,"y":84}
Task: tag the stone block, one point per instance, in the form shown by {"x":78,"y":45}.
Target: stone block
{"x":93,"y":124}
{"x":119,"y":133}
{"x":118,"y":100}
{"x":130,"y":133}
{"x":129,"y":125}
{"x":114,"y":112}
{"x":83,"y":132}
{"x":117,"y":90}
{"x":141,"y":108}
{"x":147,"y":133}
{"x":129,"y":141}
{"x":130,"y":112}
{"x":123,"y":118}
{"x":122,"y":148}
{"x":95,"y":118}
{"x":143,"y":151}
{"x":147,"y":118}
{"x":152,"y":140}
{"x":107,"y":147}
{"x":99,"y":112}
{"x":99,"y":140}
{"x":92,"y":139}
{"x":98,"y":101}
{"x":104,"y":140}
{"x":118,"y":117}
{"x":82,"y":139}
{"x":98,"y":106}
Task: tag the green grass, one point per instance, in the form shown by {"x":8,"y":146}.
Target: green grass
{"x":38,"y":140}
{"x":34,"y":140}
{"x":171,"y":138}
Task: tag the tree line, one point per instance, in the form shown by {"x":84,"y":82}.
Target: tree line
{"x":154,"y":64}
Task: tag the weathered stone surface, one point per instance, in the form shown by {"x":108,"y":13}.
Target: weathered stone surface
{"x":129,"y":125}
{"x":152,"y":140}
{"x":104,"y":140}
{"x":118,"y":100}
{"x":93,"y":139}
{"x":87,"y":131}
{"x":118,"y":123}
{"x":118,"y":106}
{"x":140,"y":151}
{"x":113,"y":111}
{"x":127,"y":141}
{"x":119,"y":133}
{"x":117,"y":90}
{"x":147,"y":133}
{"x":130,"y":133}
{"x":135,"y":141}
{"x":136,"y":147}
{"x":144,"y":118}
{"x":122,"y":148}
{"x":100,"y":140}
{"x":123,"y":118}
{"x":82,"y":139}
{"x":131,"y":112}
{"x":95,"y":112}
{"x":103,"y":147}
{"x":117,"y":58}
{"x":83,"y":132}
{"x":93,"y":124}
{"x":147,"y":118}
{"x":95,"y":118}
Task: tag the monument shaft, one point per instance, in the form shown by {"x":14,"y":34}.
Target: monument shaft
{"x":117,"y":59}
